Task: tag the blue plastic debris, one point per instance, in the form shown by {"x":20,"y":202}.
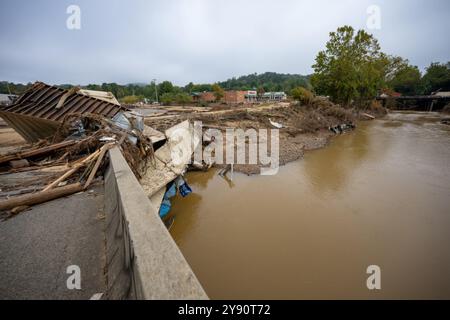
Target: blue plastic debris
{"x":165,"y":207}
{"x":183,"y":187}
{"x":171,"y":192}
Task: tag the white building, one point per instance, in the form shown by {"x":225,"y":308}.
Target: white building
{"x":273,"y":96}
{"x":251,"y":96}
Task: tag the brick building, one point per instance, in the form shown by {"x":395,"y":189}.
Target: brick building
{"x":234,"y":96}
{"x":203,"y":96}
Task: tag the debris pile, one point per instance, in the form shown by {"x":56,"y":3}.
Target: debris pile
{"x":70,"y":132}
{"x":70,"y":160}
{"x":164,"y":176}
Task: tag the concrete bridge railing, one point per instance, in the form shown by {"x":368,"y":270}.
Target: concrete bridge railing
{"x":143,"y":261}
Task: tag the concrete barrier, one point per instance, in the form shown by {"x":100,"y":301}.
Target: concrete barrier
{"x":143,"y":261}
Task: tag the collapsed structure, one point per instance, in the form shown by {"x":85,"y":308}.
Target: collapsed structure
{"x":71,"y":131}
{"x":38,"y":112}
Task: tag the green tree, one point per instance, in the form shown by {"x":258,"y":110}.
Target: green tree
{"x":13,"y":88}
{"x":302,"y":95}
{"x":351,"y":68}
{"x":165,"y":87}
{"x":260,"y":90}
{"x":437,"y":76}
{"x":218,"y":91}
{"x":189,"y":87}
{"x":407,"y":80}
{"x":167,"y":98}
{"x":131,"y":99}
{"x":200,"y":88}
{"x":183,"y":98}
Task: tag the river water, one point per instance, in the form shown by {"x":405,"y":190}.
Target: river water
{"x":379,"y":195}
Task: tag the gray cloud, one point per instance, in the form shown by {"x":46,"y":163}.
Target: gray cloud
{"x":200,"y":40}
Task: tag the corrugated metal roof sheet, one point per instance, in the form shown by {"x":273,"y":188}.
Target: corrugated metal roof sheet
{"x":46,"y":106}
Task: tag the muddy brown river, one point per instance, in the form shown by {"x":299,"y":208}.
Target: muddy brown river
{"x":379,"y":195}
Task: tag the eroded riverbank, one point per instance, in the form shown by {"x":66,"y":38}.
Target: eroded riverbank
{"x":377,"y":195}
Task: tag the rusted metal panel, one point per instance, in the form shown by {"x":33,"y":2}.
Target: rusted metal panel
{"x":35,"y":115}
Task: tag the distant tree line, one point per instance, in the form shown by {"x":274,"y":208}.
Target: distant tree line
{"x":168,"y":93}
{"x":267,"y":82}
{"x":13,"y":88}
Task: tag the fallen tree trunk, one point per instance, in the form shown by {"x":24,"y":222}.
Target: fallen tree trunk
{"x":36,"y":152}
{"x":40,"y":197}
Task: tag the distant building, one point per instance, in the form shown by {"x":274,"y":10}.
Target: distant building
{"x":239,"y":96}
{"x":205,"y":96}
{"x":229,"y":97}
{"x":386,"y":93}
{"x":7,"y":99}
{"x":234,"y":96}
{"x":273,"y":96}
{"x":251,"y":96}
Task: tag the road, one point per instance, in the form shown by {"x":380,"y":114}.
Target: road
{"x":38,"y":245}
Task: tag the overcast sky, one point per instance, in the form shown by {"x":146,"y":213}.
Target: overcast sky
{"x":201,"y":40}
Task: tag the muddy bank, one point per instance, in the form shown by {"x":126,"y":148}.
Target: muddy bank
{"x":290,"y":149}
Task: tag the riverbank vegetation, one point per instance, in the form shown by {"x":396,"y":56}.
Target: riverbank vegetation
{"x":352,"y":70}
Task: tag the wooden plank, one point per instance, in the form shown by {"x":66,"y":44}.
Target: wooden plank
{"x":40,"y":197}
{"x":75,"y":167}
{"x":37,"y":152}
{"x":97,"y":164}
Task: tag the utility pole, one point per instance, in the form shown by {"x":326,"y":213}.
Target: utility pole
{"x":156,"y":90}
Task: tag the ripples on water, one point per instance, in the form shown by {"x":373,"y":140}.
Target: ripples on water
{"x":378,"y":195}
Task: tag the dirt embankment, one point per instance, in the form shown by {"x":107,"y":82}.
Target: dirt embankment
{"x":303,"y":127}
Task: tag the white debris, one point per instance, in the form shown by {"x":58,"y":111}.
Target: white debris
{"x":275,"y":124}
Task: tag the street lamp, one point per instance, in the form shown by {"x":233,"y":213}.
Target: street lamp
{"x":156,"y":90}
